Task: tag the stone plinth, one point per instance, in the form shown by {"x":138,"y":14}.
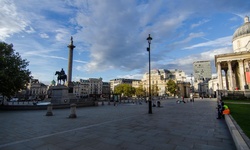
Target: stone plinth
{"x":60,"y":95}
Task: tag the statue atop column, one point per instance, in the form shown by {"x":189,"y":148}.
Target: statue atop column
{"x":71,"y":41}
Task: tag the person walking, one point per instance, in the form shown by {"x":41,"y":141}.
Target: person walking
{"x":183,"y":99}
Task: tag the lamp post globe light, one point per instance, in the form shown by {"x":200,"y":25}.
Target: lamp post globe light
{"x":149,"y":39}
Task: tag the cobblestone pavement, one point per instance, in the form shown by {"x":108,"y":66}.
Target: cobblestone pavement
{"x":126,"y":126}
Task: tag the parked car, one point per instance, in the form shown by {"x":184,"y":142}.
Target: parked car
{"x":31,"y":98}
{"x":42,"y":103}
{"x":14,"y":99}
{"x":1,"y":99}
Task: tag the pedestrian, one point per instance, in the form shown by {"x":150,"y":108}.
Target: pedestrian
{"x":183,"y":99}
{"x":220,"y":109}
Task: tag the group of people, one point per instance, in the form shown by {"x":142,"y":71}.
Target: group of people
{"x":183,"y":101}
{"x":222,"y":109}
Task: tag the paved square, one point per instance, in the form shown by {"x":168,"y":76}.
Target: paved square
{"x":126,"y":126}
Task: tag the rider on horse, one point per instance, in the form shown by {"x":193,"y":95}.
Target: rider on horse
{"x":62,"y":72}
{"x":61,"y":76}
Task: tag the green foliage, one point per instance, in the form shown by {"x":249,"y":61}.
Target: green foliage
{"x":236,"y":101}
{"x":139,"y":92}
{"x":172,"y":87}
{"x":154,"y":90}
{"x":13,"y":73}
{"x":125,"y":89}
{"x":240,"y":113}
{"x":118,"y":89}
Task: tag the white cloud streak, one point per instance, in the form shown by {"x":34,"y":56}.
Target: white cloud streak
{"x":199,"y":23}
{"x":220,"y":42}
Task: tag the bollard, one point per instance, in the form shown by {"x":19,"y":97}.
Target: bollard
{"x":72,"y":111}
{"x":102,"y":103}
{"x":158,"y":104}
{"x":49,"y":110}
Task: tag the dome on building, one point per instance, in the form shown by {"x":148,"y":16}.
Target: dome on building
{"x":242,"y":30}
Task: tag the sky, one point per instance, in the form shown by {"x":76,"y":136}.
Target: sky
{"x":110,"y":35}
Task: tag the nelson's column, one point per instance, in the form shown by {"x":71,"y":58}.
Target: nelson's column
{"x":70,"y":63}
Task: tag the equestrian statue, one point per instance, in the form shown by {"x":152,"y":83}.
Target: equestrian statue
{"x":61,"y":76}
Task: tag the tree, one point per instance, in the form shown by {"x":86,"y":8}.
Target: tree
{"x":154,"y":90}
{"x":125,"y":89}
{"x":172,"y":87}
{"x":13,"y":73}
{"x":128,"y":90}
{"x":139,"y":92}
{"x":118,"y":89}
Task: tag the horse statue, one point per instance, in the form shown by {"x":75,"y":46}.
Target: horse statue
{"x":61,"y":76}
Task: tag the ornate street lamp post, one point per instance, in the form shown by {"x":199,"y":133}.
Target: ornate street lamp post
{"x":149,"y":39}
{"x":192,"y":89}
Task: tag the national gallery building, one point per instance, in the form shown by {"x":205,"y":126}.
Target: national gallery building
{"x":236,"y":65}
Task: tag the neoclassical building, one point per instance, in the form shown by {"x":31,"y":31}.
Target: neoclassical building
{"x":236,"y":65}
{"x":159,"y":80}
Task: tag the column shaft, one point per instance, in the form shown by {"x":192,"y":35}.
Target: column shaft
{"x":219,"y":75}
{"x":242,"y":75}
{"x":230,"y":74}
{"x":226,"y":78}
{"x":69,"y":78}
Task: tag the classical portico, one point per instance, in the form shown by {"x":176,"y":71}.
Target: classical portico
{"x":236,"y":66}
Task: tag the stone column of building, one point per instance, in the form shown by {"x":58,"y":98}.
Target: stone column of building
{"x":226,"y":78}
{"x":242,"y":75}
{"x":230,"y":74}
{"x":70,"y":63}
{"x":219,"y":75}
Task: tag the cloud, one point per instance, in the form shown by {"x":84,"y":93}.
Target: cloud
{"x":186,"y":63}
{"x":190,"y":37}
{"x":11,"y":21}
{"x":233,"y":19}
{"x":208,"y":55}
{"x":80,"y":61}
{"x":111,"y":35}
{"x":44,"y":35}
{"x":131,"y":76}
{"x":61,"y":34}
{"x":117,"y":32}
{"x":199,"y":23}
{"x":220,"y":42}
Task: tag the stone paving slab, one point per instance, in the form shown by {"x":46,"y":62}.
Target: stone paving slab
{"x":126,"y":126}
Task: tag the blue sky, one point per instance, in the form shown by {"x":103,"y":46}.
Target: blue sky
{"x":110,"y":35}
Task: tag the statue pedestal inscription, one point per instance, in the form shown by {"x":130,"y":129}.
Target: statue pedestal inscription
{"x":60,"y":95}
